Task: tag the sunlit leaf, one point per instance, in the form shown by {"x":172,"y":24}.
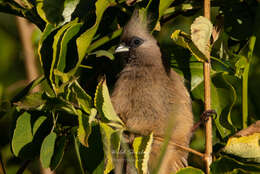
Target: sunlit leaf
{"x":56,"y":46}
{"x":142,"y":147}
{"x":85,"y":39}
{"x":184,"y":40}
{"x":111,"y":144}
{"x":245,"y":143}
{"x":240,"y":65}
{"x":105,"y":53}
{"x":103,"y":103}
{"x":84,"y":100}
{"x":24,"y":133}
{"x":56,"y":12}
{"x":68,"y":35}
{"x":84,"y":129}
{"x":201,"y":30}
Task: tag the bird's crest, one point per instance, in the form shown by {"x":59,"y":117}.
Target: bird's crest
{"x":138,"y":24}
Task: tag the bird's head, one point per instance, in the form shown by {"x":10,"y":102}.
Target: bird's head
{"x":137,"y":44}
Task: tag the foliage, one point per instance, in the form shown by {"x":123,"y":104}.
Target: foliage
{"x":71,"y":109}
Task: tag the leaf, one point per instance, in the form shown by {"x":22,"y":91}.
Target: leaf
{"x":31,"y":101}
{"x":56,"y":46}
{"x":95,"y":150}
{"x":221,"y":100}
{"x":83,"y":99}
{"x":68,"y":35}
{"x":76,"y":145}
{"x":85,"y":39}
{"x":105,"y":53}
{"x":182,"y":39}
{"x":56,"y":12}
{"x":84,"y":129}
{"x":47,"y":150}
{"x":245,"y":143}
{"x":103,"y":103}
{"x":201,"y":30}
{"x":24,"y":133}
{"x":111,"y":143}
{"x":45,"y":52}
{"x":226,"y":164}
{"x":163,"y":6}
{"x":59,"y":104}
{"x":57,"y":156}
{"x":142,"y":148}
{"x":27,"y":89}
{"x":190,"y":170}
{"x":240,"y":65}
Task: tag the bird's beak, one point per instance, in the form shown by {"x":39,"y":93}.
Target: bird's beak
{"x":122,"y":48}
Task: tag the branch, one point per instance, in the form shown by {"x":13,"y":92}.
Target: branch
{"x":182,"y":147}
{"x":207,"y":99}
{"x":25,"y":31}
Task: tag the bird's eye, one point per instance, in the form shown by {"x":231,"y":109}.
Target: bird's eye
{"x":136,"y":42}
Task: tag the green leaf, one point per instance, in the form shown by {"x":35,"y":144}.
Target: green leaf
{"x":142,"y":148}
{"x":111,"y":143}
{"x":240,"y":65}
{"x":85,"y":39}
{"x":37,"y":124}
{"x":220,"y":100}
{"x":27,"y":89}
{"x":56,"y":12}
{"x":84,"y":129}
{"x":103,"y":103}
{"x":57,"y":156}
{"x":31,"y":101}
{"x":56,"y":46}
{"x":94,"y":150}
{"x":182,"y":39}
{"x":76,"y":145}
{"x":84,"y":100}
{"x":45,"y":52}
{"x":105,"y":53}
{"x":59,"y":104}
{"x":68,"y":35}
{"x":226,"y":164}
{"x":24,"y":133}
{"x":47,"y":150}
{"x":190,"y":170}
{"x":201,"y":30}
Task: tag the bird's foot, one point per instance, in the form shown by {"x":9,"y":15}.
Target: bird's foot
{"x":206,"y":114}
{"x":204,"y":118}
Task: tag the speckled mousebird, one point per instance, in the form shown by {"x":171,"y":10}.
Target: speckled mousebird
{"x":147,"y":97}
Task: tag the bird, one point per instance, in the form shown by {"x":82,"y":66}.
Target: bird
{"x":148,"y":97}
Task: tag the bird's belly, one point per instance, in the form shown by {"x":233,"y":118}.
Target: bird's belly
{"x":140,"y":109}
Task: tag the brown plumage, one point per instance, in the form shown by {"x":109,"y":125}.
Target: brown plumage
{"x":146,"y":97}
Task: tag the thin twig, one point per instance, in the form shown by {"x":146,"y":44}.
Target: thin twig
{"x":207,"y":97}
{"x":23,"y":167}
{"x":182,"y":147}
{"x":25,"y":31}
